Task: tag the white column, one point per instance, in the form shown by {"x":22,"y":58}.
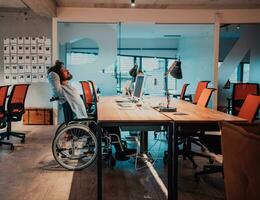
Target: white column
{"x":216,"y":59}
{"x":54,"y":58}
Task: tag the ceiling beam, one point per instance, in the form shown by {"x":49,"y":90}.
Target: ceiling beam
{"x":45,"y":8}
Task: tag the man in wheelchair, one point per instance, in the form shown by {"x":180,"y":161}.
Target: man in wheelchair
{"x":75,"y":145}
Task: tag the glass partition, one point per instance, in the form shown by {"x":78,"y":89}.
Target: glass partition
{"x":105,"y":53}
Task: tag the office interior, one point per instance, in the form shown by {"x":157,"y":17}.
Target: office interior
{"x":101,"y":42}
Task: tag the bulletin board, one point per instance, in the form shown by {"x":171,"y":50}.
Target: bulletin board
{"x":26,"y":59}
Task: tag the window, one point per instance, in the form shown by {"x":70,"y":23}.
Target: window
{"x":80,"y":58}
{"x":154,"y":69}
{"x":246,"y":68}
{"x":172,"y":83}
{"x":234,"y":76}
{"x":125,"y":64}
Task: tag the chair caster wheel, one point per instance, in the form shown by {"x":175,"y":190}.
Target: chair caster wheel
{"x":196,"y":178}
{"x":194,"y":166}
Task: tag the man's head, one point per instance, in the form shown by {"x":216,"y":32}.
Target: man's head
{"x":60,"y":69}
{"x":65,"y":74}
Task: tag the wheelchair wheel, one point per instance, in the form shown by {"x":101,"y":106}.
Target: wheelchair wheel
{"x":60,"y":127}
{"x":75,"y":147}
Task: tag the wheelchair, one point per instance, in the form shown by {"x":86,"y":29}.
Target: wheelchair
{"x":74,"y":146}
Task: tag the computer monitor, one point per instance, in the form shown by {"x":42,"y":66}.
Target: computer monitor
{"x":138,"y":88}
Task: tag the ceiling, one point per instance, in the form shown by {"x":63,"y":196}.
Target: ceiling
{"x":12,"y":4}
{"x":161,"y":3}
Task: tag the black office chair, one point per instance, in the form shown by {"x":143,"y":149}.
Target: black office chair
{"x":187,"y":138}
{"x":213,"y":142}
{"x":15,"y":110}
{"x":239,"y":94}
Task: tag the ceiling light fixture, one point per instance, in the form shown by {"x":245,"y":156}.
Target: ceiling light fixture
{"x":132,"y":3}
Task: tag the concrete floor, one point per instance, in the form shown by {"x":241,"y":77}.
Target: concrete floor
{"x":31,"y":173}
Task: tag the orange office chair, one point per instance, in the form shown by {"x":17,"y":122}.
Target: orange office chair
{"x":3,"y":97}
{"x":15,"y":109}
{"x":239,"y":94}
{"x":250,"y":107}
{"x":248,"y":111}
{"x":201,"y":85}
{"x":205,"y":97}
{"x":90,"y":96}
{"x":183,"y":96}
{"x":189,"y":138}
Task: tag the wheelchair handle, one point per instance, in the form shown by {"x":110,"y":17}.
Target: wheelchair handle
{"x":54,"y":99}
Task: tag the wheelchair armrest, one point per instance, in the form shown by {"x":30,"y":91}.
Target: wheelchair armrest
{"x":124,"y":143}
{"x":90,"y":118}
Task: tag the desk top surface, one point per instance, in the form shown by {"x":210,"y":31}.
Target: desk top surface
{"x":109,"y":111}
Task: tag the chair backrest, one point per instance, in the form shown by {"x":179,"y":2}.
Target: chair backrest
{"x":205,"y":97}
{"x":250,"y":107}
{"x":3,"y":97}
{"x":183,"y":91}
{"x":89,"y":93}
{"x":240,"y":92}
{"x":94,"y":89}
{"x":201,"y":85}
{"x":241,"y":150}
{"x":17,"y":98}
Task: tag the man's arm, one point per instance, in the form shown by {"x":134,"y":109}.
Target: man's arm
{"x":54,"y":80}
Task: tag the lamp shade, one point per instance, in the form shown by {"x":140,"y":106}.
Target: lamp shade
{"x":175,"y":70}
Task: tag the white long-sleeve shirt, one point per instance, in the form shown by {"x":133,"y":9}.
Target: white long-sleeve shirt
{"x":67,"y":93}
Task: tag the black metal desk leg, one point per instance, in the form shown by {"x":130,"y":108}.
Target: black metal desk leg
{"x":172,"y":162}
{"x":175,"y":161}
{"x":99,"y":165}
{"x":143,"y":141}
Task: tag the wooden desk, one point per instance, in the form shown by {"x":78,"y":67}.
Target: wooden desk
{"x":187,"y":115}
{"x":109,"y":113}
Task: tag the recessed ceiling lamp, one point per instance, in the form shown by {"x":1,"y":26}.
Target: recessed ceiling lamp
{"x":132,"y":3}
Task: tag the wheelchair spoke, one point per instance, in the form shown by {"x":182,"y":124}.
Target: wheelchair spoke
{"x":75,"y":147}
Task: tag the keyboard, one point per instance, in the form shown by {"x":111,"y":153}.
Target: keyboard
{"x":122,"y":100}
{"x":126,"y":104}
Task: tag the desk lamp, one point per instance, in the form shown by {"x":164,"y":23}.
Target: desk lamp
{"x":175,"y":72}
{"x":227,"y":85}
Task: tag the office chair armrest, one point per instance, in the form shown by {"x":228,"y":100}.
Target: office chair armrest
{"x":14,"y":116}
{"x":176,"y":95}
{"x":2,"y":124}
